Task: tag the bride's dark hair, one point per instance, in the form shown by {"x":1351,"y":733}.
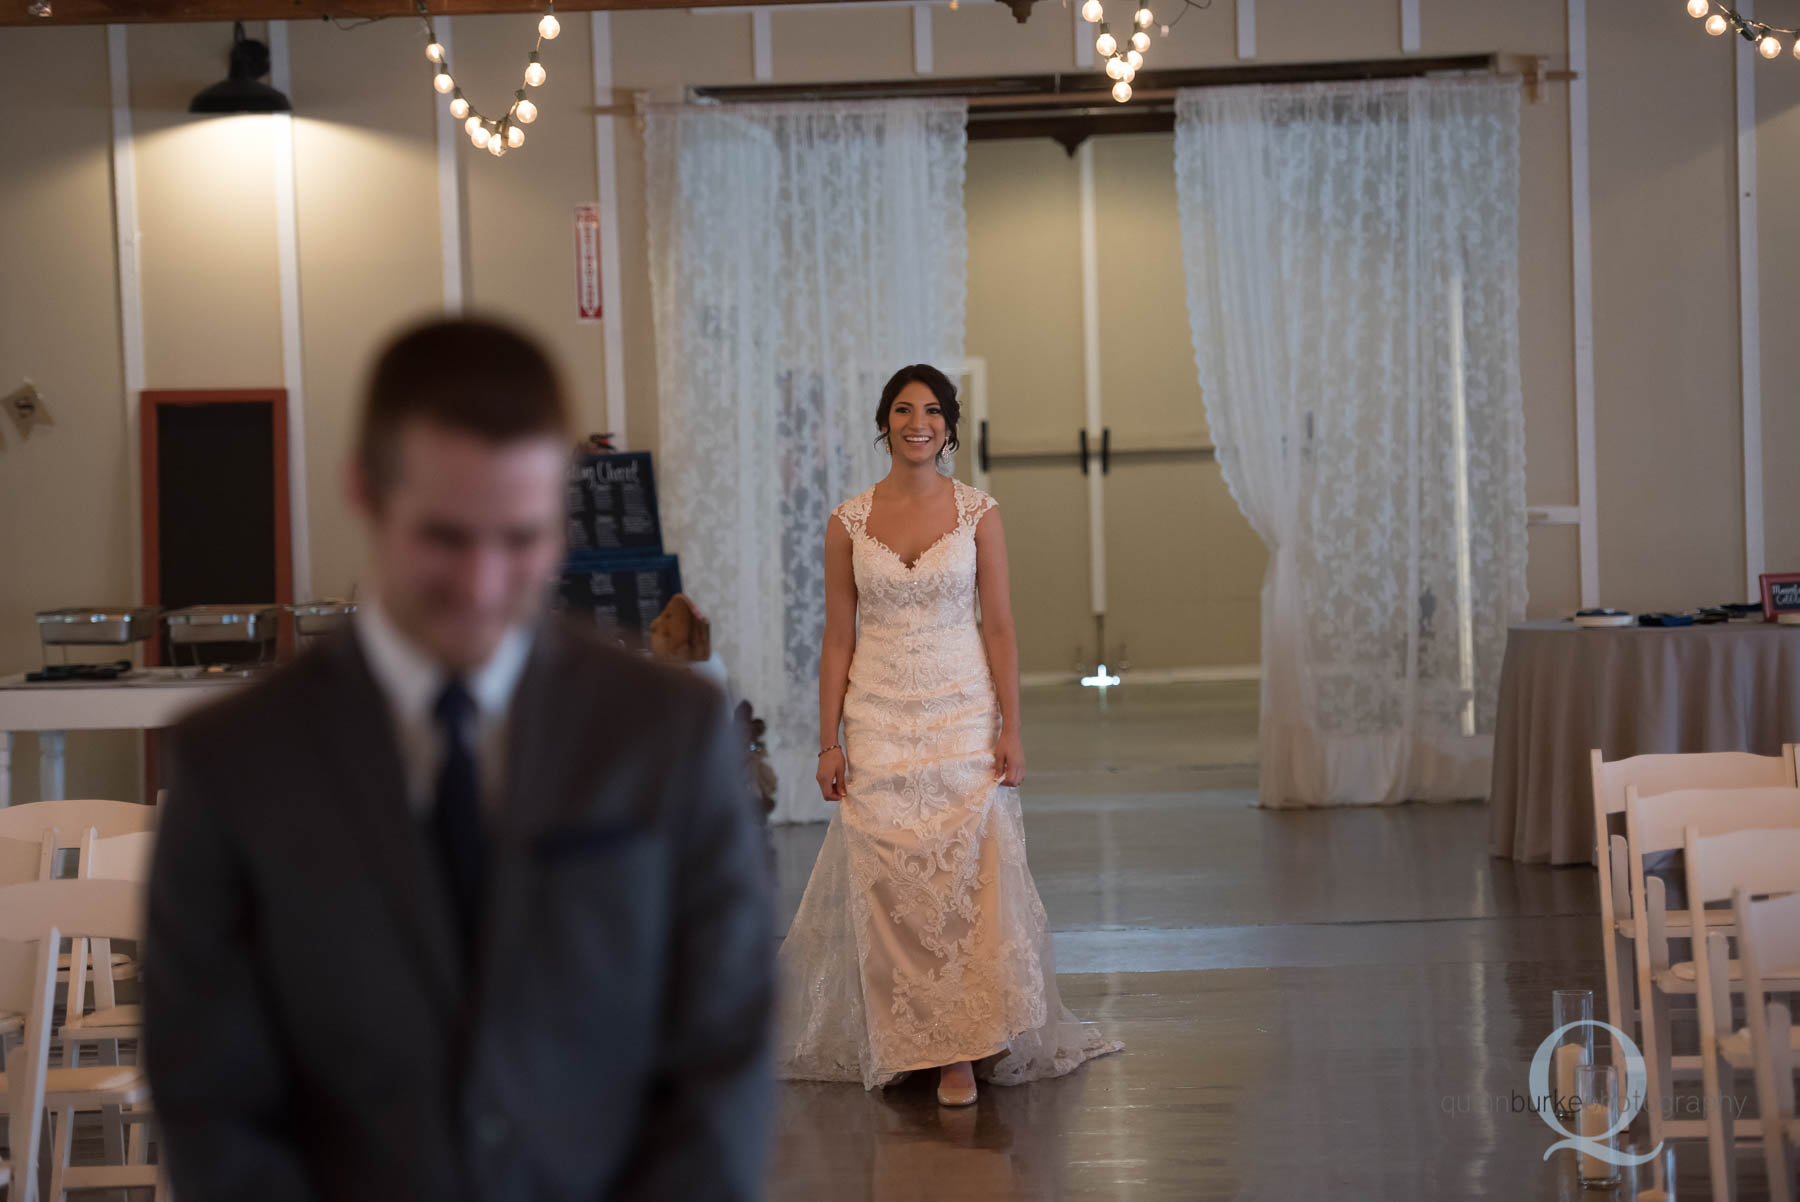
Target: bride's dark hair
{"x":941,"y":388}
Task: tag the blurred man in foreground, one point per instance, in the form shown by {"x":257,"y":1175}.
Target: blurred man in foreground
{"x":464,"y":904}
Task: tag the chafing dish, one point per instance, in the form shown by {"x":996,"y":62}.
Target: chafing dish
{"x":222,"y":623}
{"x":321,"y":617}
{"x":114,"y":624}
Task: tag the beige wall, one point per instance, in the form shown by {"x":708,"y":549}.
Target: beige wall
{"x":1664,"y":263}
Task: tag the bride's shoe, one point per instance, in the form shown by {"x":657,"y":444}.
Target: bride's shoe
{"x":956,"y":1088}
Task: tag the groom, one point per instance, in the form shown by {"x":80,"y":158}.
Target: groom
{"x":465,"y":904}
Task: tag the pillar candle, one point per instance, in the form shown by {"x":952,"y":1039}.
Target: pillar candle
{"x":1596,"y":1117}
{"x":1568,"y":1056}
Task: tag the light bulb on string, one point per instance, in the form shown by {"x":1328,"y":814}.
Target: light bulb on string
{"x":1115,"y":67}
{"x":1717,"y":24}
{"x":549,"y":27}
{"x":471,"y":125}
{"x":1091,"y":12}
{"x":459,"y":108}
{"x":435,"y":51}
{"x":1140,"y":40}
{"x":1135,"y":59}
{"x":1128,"y":74}
{"x":1106,"y":45}
{"x":1121,"y":91}
{"x":524,"y":110}
{"x":481,"y":137}
{"x":1769,"y":46}
{"x":534,"y":72}
{"x":515,"y":137}
{"x":1144,"y":17}
{"x":442,"y":82}
{"x":1797,"y":47}
{"x":496,"y":146}
{"x":1699,"y":8}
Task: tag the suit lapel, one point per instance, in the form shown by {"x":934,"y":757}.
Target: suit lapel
{"x":362,"y":748}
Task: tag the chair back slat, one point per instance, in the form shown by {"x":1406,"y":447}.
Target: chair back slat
{"x":1759,"y":860}
{"x":1653,"y":774}
{"x":119,"y":858}
{"x":69,"y":818}
{"x":27,"y":1067}
{"x":1660,"y":823}
{"x":1773,"y":938}
{"x":80,"y":909}
{"x":26,"y":859}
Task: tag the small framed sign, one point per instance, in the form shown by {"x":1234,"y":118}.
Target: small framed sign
{"x":1780,"y":594}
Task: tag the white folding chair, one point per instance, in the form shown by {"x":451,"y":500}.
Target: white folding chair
{"x":27,"y":986}
{"x":1650,"y":775}
{"x":1659,"y":824}
{"x":90,"y":909}
{"x":1769,"y":948}
{"x":1756,"y":862}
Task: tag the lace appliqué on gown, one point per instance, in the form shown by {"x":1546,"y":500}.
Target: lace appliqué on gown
{"x":921,"y":939}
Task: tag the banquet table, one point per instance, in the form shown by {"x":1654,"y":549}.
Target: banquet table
{"x":1628,"y":691}
{"x":146,"y":699}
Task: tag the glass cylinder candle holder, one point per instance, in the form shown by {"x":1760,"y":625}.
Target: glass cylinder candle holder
{"x":1574,"y":1047}
{"x":1598,"y":1108}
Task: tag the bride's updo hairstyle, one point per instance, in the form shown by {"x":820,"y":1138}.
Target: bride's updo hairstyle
{"x":941,"y":388}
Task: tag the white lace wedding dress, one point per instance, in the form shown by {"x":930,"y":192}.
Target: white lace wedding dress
{"x":921,"y":939}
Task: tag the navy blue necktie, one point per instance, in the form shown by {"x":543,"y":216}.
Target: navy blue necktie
{"x":456,"y":820}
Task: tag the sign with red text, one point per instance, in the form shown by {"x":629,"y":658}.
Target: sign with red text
{"x":587,"y":262}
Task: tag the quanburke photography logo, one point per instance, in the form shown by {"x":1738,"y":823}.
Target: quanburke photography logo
{"x":1635,"y":1087}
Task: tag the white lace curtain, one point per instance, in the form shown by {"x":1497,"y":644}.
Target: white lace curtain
{"x":1352,"y":273}
{"x":799,"y":255}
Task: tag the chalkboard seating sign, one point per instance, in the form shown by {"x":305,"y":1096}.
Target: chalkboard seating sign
{"x":623,"y":592}
{"x":1780,"y":594}
{"x":612,"y":504}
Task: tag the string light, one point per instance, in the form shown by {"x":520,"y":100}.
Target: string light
{"x":1722,"y":19}
{"x":496,"y":135}
{"x":1121,"y":67}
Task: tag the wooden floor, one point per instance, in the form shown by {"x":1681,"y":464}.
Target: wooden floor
{"x":1316,"y":1004}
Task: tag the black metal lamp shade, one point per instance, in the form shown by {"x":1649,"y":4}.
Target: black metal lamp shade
{"x":243,"y":92}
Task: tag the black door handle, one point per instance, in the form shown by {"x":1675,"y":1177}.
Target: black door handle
{"x":1084,"y":453}
{"x":981,"y":447}
{"x":1105,"y":450}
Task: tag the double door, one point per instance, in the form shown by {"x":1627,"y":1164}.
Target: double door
{"x":1083,"y":417}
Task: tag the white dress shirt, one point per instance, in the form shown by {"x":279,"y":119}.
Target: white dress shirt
{"x":411,"y":682}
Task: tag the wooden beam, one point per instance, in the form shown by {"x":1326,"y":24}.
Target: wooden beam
{"x":104,"y":12}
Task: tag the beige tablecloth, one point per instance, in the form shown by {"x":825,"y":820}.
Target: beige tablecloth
{"x":1564,"y":690}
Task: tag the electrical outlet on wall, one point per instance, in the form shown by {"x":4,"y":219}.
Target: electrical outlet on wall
{"x":26,"y":408}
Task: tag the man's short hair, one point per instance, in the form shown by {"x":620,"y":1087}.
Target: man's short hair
{"x":471,"y":375}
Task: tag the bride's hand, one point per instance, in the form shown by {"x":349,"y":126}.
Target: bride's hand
{"x":1009,"y":758}
{"x":831,"y":775}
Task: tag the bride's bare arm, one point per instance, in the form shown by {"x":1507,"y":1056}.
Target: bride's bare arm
{"x":840,"y":631}
{"x":997,"y":633}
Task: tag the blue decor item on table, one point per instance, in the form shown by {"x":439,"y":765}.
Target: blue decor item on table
{"x":1665,"y":619}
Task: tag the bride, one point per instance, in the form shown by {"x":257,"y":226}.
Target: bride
{"x":921,"y":941}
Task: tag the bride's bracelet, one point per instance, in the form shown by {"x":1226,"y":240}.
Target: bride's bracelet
{"x":833,"y":747}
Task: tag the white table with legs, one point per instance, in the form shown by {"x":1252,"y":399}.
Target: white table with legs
{"x":147,"y":699}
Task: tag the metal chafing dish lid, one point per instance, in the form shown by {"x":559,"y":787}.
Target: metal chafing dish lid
{"x":218,"y":615}
{"x":103,"y":613}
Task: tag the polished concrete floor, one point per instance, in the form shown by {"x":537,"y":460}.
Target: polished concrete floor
{"x":1316,"y":1004}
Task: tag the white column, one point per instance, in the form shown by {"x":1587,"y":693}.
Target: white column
{"x":293,"y":373}
{"x":612,"y":305}
{"x":1749,"y":312}
{"x":449,"y":172}
{"x":51,"y":744}
{"x":1582,"y":272}
{"x":1246,"y":28}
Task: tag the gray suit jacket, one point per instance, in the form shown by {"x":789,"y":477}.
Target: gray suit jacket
{"x":310,"y":1029}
